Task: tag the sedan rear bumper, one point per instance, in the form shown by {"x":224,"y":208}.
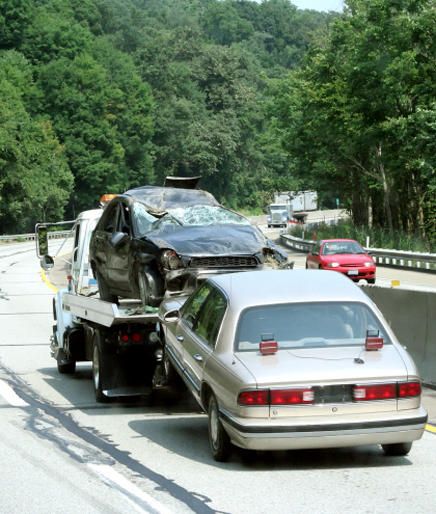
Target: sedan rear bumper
{"x":398,"y":427}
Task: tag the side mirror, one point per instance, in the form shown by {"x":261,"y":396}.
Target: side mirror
{"x":41,"y":233}
{"x":118,"y":239}
{"x":172,"y":316}
{"x":47,"y":262}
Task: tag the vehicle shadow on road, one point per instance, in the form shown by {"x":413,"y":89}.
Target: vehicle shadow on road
{"x":188,"y":437}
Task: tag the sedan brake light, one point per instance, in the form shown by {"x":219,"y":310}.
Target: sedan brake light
{"x":258,"y":397}
{"x":292,"y":396}
{"x":374,"y":392}
{"x":408,"y":389}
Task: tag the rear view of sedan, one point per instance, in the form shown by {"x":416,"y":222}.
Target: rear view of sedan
{"x":344,"y":255}
{"x":285,"y":360}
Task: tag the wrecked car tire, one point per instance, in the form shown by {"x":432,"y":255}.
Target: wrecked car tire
{"x":104,"y":291}
{"x":150,"y":287}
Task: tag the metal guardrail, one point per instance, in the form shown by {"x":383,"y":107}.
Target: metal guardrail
{"x":393,"y":258}
{"x":31,"y":237}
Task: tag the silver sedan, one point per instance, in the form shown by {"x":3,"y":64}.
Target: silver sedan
{"x":292,"y":360}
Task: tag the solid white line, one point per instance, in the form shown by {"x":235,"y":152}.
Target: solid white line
{"x":126,"y":486}
{"x":11,"y":396}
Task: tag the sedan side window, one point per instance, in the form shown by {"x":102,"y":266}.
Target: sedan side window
{"x":210,"y":318}
{"x":315,"y":249}
{"x":193,"y":305}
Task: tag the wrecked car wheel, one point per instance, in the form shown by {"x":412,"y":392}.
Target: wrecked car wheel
{"x":104,"y":291}
{"x":150,"y":287}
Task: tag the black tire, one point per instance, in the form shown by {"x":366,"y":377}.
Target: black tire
{"x":104,"y":290}
{"x":97,"y":369}
{"x":146,"y":293}
{"x":397,"y":449}
{"x":219,"y":440}
{"x":65,"y":367}
{"x":371,"y":280}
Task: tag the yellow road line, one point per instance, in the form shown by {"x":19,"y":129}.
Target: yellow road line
{"x":430,"y":428}
{"x":47,"y":282}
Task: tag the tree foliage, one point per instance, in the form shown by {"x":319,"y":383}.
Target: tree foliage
{"x":358,"y":117}
{"x":100,"y":96}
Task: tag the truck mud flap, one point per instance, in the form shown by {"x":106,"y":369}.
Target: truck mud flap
{"x":120,"y":375}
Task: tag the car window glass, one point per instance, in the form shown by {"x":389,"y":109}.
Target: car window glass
{"x":110,"y":219}
{"x":302,"y":325}
{"x":192,"y":307}
{"x":123,"y":224}
{"x":143,"y":219}
{"x":315,"y":250}
{"x":210,"y":318}
{"x":342,"y":247}
{"x":206,"y":215}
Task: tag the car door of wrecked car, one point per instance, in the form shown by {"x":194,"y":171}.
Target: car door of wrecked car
{"x":200,"y":341}
{"x":101,"y":240}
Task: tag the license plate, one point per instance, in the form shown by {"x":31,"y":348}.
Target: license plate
{"x":353,"y":272}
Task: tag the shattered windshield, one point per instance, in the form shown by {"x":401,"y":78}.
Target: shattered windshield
{"x":203,"y":215}
{"x":144,"y":219}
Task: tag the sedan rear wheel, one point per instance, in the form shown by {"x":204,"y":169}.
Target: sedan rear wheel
{"x":397,"y":449}
{"x":220,"y":444}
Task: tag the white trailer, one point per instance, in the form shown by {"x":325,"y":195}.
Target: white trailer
{"x":119,"y":339}
{"x":301,"y":201}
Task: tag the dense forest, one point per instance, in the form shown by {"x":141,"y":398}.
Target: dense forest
{"x":98,"y":96}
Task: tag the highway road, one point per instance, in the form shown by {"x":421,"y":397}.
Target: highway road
{"x":63,"y":452}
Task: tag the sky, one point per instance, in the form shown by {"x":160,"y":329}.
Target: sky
{"x":319,"y":5}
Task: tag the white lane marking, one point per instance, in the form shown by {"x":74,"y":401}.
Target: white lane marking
{"x":127,"y":487}
{"x":11,"y":396}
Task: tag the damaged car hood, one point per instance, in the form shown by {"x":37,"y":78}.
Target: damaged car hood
{"x":214,"y":240}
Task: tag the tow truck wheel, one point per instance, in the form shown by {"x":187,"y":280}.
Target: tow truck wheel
{"x":65,"y":367}
{"x":97,"y":370}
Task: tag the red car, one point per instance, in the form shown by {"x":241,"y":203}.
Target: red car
{"x":343,"y":255}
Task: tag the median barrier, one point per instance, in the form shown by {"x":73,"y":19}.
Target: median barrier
{"x":411,"y":315}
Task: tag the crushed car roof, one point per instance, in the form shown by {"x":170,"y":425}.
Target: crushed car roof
{"x":161,"y":199}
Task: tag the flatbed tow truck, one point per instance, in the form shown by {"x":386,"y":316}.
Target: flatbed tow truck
{"x":119,"y":339}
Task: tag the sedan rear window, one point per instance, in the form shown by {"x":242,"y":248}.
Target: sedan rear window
{"x":305,"y":325}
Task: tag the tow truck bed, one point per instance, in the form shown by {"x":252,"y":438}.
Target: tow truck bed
{"x":105,"y":313}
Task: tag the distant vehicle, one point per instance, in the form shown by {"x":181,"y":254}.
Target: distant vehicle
{"x":344,"y":255}
{"x":153,"y":241}
{"x":301,"y":201}
{"x":279,"y":214}
{"x":285,"y":360}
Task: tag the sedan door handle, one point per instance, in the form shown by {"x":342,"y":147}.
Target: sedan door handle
{"x":198,"y":357}
{"x":179,"y":338}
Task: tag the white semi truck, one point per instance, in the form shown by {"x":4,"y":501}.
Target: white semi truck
{"x":119,"y":339}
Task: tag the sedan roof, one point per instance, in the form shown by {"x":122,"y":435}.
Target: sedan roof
{"x":268,"y":287}
{"x":161,"y":199}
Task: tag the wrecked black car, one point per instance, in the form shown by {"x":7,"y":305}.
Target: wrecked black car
{"x":156,"y":241}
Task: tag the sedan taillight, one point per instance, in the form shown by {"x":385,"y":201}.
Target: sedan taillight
{"x":292,"y":396}
{"x":253,"y":397}
{"x":409,"y":389}
{"x":374,"y":392}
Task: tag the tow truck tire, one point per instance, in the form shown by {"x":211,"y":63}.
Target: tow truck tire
{"x":219,"y":440}
{"x":65,"y":368}
{"x":97,"y":369}
{"x":104,"y":291}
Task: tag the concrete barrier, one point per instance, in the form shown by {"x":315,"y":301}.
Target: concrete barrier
{"x":412,"y":317}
